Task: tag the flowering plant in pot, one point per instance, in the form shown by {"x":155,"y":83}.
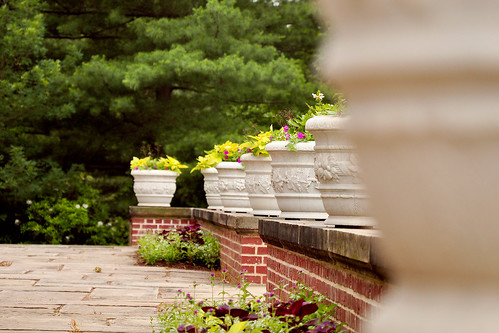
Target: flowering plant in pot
{"x":342,"y":192}
{"x":155,"y":179}
{"x":231,"y":177}
{"x":231,"y":151}
{"x":259,"y":176}
{"x":293,"y":176}
{"x":206,"y":164}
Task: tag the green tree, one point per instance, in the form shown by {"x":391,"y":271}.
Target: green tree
{"x":90,"y":82}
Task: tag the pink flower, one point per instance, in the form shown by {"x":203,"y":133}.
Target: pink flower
{"x":287,"y":136}
{"x":300,"y":135}
{"x":286,"y":128}
{"x":238,"y":160}
{"x":226,"y":157}
{"x":226,"y":152}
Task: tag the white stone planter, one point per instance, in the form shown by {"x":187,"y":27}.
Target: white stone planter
{"x":154,"y":187}
{"x":294,"y":181}
{"x":232,"y":187}
{"x":343,"y":195}
{"x":259,"y":185}
{"x":211,"y":188}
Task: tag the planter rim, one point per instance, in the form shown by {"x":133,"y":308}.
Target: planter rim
{"x":281,"y":146}
{"x":251,"y":157}
{"x":155,"y":172}
{"x":327,"y":122}
{"x":229,"y":165}
{"x":209,"y":171}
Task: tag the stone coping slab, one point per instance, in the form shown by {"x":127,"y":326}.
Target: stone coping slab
{"x":239,"y":222}
{"x":321,"y":241}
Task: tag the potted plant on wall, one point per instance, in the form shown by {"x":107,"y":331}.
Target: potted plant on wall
{"x":343,"y":195}
{"x":206,"y":164}
{"x":155,"y":179}
{"x":231,"y":177}
{"x":259,"y":176}
{"x":293,"y":177}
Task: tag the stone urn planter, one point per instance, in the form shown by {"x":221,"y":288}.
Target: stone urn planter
{"x":232,"y":187}
{"x":154,"y":187}
{"x":259,"y":185}
{"x":294,"y":181}
{"x":343,"y":195}
{"x":211,"y":188}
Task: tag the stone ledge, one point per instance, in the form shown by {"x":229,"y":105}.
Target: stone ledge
{"x":240,"y":223}
{"x":323,"y":242}
{"x":161,"y":212}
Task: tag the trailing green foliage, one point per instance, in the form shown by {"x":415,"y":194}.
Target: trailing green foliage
{"x":189,"y":244}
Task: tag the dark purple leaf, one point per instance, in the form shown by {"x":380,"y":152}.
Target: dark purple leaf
{"x":307,"y":308}
{"x":249,"y":317}
{"x":237,"y":312}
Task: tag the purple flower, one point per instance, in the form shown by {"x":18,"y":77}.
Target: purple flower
{"x":300,"y":135}
{"x":224,"y":270}
{"x":239,"y":286}
{"x":226,"y":152}
{"x":238,"y":160}
{"x":286,"y":128}
{"x":212,"y":274}
{"x":271,"y":138}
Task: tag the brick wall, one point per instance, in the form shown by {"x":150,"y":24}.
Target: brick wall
{"x":354,"y":293}
{"x":241,"y":248}
{"x":141,"y":225}
{"x":240,"y":252}
{"x":341,"y":264}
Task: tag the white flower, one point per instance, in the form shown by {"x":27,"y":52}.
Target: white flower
{"x":85,"y":206}
{"x":318,"y":97}
{"x":17,"y":222}
{"x":67,"y":238}
{"x":109,"y":224}
{"x":100,"y":224}
{"x":29,"y":202}
{"x":78,"y":206}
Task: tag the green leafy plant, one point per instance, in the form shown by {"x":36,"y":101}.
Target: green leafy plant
{"x":189,"y":244}
{"x":209,"y":160}
{"x":230,"y":151}
{"x":258,"y":142}
{"x":304,"y":311}
{"x":161,"y":163}
{"x":295,"y":131}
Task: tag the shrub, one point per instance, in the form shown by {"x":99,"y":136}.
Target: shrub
{"x":189,"y":244}
{"x":305,"y":311}
{"x":42,"y":203}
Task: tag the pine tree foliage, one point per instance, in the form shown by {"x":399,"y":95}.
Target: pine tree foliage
{"x":90,"y":82}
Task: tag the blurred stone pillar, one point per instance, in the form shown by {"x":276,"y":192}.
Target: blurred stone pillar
{"x":422,"y":81}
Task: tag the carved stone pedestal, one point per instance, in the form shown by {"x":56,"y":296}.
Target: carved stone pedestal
{"x":422,"y":81}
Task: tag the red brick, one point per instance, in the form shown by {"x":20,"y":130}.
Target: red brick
{"x":251,"y":260}
{"x":249,"y":269}
{"x":252,"y":240}
{"x":248,"y":250}
{"x":262,"y":250}
{"x":261,"y":269}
